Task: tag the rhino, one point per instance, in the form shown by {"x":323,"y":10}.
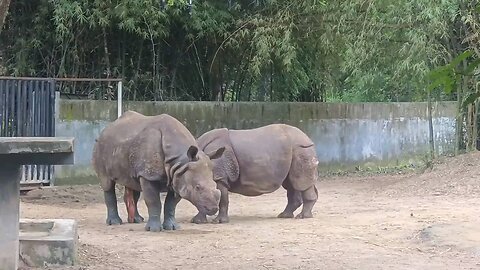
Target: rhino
{"x":258,"y":161}
{"x":153,"y":154}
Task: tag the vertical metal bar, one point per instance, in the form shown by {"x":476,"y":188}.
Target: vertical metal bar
{"x":45,"y":104}
{"x":7,"y":118}
{"x":52,"y":107}
{"x":12,"y":108}
{"x":32,"y":121}
{"x":18,"y":96}
{"x":43,"y":109}
{"x":22,"y":95}
{"x":2,"y":108}
{"x":41,"y":123}
{"x":30,"y":109}
{"x":55,"y":114}
{"x":119,"y":98}
{"x":36,"y":105}
{"x":46,"y":125}
{"x":28,"y":124}
{"x":36,"y":121}
{"x":24,"y":109}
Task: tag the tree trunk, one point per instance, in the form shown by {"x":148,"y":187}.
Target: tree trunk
{"x":471,"y":127}
{"x":4,"y":4}
{"x":459,"y":121}
{"x":475,"y":125}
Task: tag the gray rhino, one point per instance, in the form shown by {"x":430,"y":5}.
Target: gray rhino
{"x":259,"y":161}
{"x":153,"y":154}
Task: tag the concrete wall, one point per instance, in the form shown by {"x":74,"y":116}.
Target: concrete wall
{"x":346,"y":135}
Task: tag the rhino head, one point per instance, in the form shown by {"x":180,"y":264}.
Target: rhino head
{"x":194,"y":182}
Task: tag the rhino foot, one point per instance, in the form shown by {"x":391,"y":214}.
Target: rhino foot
{"x":221,"y":219}
{"x":200,"y":219}
{"x":170,"y":225}
{"x":285,"y":215}
{"x":153,"y":226}
{"x":304,"y":215}
{"x":138,"y":219}
{"x":114,"y":220}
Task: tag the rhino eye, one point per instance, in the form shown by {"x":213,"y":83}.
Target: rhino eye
{"x":198,"y":187}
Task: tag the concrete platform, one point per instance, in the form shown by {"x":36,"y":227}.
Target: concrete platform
{"x":15,"y":152}
{"x":48,"y":242}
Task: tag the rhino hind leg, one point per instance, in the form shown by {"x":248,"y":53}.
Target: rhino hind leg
{"x":138,"y":218}
{"x":111,"y":202}
{"x":294,"y":200}
{"x":302,"y":178}
{"x":130,"y":198}
{"x":309,"y":197}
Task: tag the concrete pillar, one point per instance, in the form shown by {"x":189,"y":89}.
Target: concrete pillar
{"x":9,"y":215}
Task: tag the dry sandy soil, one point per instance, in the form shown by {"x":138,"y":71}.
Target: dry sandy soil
{"x":404,"y":221}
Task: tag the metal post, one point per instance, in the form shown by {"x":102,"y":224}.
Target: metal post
{"x":119,"y":98}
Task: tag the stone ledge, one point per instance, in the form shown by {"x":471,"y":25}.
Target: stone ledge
{"x":48,"y":242}
{"x":36,"y":150}
{"x":40,"y":145}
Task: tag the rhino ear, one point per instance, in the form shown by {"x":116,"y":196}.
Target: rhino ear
{"x":192,"y":153}
{"x":217,"y":153}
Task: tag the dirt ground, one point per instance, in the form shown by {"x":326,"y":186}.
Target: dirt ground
{"x":424,"y":220}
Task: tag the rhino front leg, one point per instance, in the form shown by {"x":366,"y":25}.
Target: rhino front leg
{"x":138,"y":218}
{"x":222,"y":216}
{"x":111,"y":202}
{"x":171,"y":201}
{"x":310,"y":197}
{"x":151,"y":194}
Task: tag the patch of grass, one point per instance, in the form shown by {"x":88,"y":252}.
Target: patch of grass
{"x":366,"y":170}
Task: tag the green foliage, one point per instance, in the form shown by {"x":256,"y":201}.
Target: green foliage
{"x":449,"y":75}
{"x":272,"y":50}
{"x":465,"y":64}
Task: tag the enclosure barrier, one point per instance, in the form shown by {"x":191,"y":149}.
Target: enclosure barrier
{"x":28,"y":109}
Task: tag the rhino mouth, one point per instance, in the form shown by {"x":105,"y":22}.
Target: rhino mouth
{"x":209,"y":211}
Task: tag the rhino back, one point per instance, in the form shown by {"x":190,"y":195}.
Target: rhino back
{"x":225,"y":168}
{"x":110,"y":157}
{"x":137,"y":145}
{"x":264,"y":156}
